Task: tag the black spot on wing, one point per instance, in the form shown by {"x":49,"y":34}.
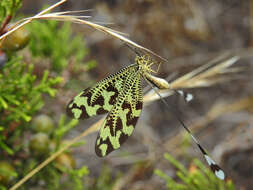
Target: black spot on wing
{"x":113,"y":98}
{"x":84,"y":114}
{"x":101,"y":111}
{"x":87,"y":94}
{"x":130,"y":119}
{"x":109,"y":123}
{"x":99,"y":101}
{"x":139,"y":105}
{"x":109,"y":147}
{"x":126,"y":105}
{"x":119,"y":125}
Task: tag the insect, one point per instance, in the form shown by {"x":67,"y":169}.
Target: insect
{"x":120,"y":94}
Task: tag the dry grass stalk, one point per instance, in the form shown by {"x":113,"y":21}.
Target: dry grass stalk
{"x":204,"y":76}
{"x":21,"y":24}
{"x":66,"y":16}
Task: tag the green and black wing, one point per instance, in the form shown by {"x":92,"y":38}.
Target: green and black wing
{"x":100,"y":98}
{"x":121,"y":120}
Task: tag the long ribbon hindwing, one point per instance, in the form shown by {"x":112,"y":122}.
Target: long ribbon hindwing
{"x":121,"y":121}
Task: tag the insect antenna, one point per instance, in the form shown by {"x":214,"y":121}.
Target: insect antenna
{"x":214,"y":167}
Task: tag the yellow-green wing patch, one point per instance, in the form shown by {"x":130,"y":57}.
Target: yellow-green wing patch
{"x":100,"y":98}
{"x":121,"y":121}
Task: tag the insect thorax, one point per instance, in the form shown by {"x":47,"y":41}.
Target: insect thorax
{"x":145,"y":64}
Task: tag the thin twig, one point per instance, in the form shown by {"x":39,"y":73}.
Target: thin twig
{"x":4,"y":24}
{"x":60,"y":16}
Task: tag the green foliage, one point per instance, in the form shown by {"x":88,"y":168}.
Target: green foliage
{"x":76,"y":176}
{"x":51,"y":40}
{"x":64,"y":164}
{"x":61,"y":169}
{"x":105,"y":181}
{"x":8,"y":8}
{"x":20,"y":99}
{"x":26,"y":140}
{"x":63,"y":127}
{"x":197,"y":178}
{"x":21,"y":96}
{"x":7,"y":173}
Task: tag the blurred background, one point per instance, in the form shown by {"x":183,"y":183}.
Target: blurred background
{"x":188,"y":33}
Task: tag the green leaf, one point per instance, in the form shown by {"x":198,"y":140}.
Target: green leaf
{"x":26,"y":117}
{"x":3,"y":102}
{"x":176,"y":163}
{"x":6,"y":148}
{"x":194,"y":179}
